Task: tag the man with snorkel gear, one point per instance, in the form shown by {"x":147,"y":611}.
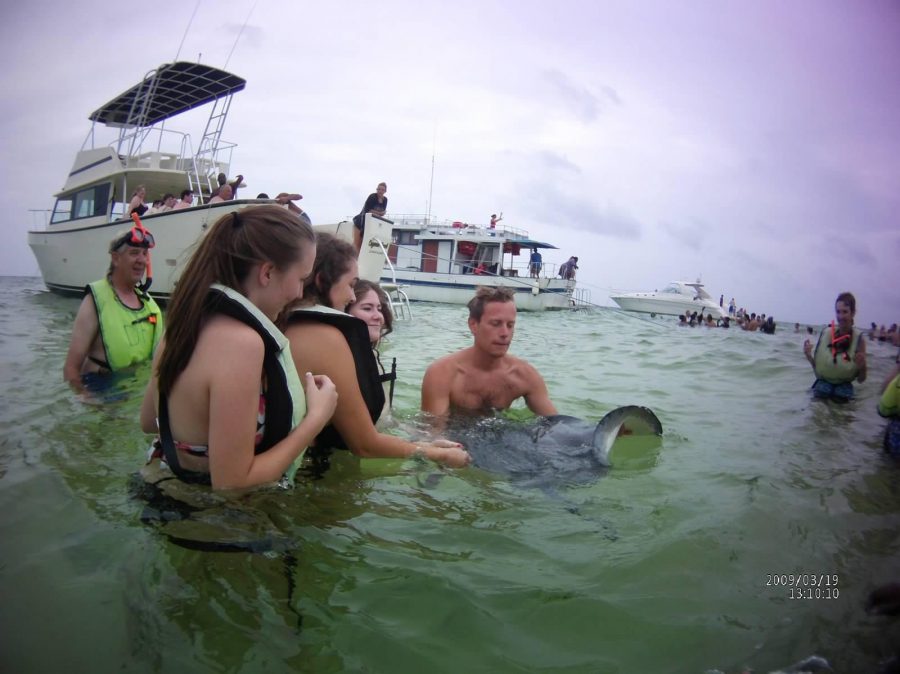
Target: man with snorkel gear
{"x":840,"y":354}
{"x":118,"y":324}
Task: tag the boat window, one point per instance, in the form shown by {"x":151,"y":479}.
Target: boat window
{"x":85,"y":203}
{"x":405,"y":237}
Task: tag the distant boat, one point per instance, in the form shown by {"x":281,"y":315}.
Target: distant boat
{"x":445,"y":261}
{"x":679,"y":297}
{"x":72,"y":250}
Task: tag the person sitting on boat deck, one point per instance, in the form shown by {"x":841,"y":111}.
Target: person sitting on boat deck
{"x":187,"y":200}
{"x":224,"y":194}
{"x":840,"y":355}
{"x":137,"y":205}
{"x":163,"y":205}
{"x":484,"y":377}
{"x":535,"y":263}
{"x":376,"y":204}
{"x":222,"y":180}
{"x":117,"y":325}
{"x":373,"y":307}
{"x":225,"y":397}
{"x":339,"y":345}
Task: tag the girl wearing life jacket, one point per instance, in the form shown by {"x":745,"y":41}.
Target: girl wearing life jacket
{"x":337,"y":344}
{"x":230,"y":405}
{"x":373,"y":308}
{"x":839,"y":357}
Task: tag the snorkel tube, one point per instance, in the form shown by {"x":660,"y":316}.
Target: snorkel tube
{"x":145,"y":286}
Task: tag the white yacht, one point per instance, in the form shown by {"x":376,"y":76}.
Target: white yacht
{"x":679,"y":297}
{"x":71,"y":250}
{"x":445,"y":261}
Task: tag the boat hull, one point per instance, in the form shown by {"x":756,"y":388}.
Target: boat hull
{"x":648,"y":304}
{"x":530,"y":294}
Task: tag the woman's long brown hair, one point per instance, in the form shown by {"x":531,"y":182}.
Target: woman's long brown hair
{"x":226,"y":254}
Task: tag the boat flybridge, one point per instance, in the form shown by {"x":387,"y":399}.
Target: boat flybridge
{"x":72,"y":250}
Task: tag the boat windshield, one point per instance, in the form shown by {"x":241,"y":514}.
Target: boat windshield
{"x":673,"y":289}
{"x":87,"y":203}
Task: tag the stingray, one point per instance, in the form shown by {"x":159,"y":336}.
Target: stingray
{"x":552,"y":452}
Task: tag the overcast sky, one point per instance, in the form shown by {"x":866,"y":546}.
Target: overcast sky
{"x":755,"y":144}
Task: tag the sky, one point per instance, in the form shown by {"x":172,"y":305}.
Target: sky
{"x":754,"y":145}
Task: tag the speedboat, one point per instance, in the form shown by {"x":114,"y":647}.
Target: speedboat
{"x":446,"y":261}
{"x":90,"y":209}
{"x":679,"y":297}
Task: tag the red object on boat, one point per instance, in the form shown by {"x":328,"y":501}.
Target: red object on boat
{"x":459,"y":224}
{"x":467,"y":247}
{"x":513,"y":248}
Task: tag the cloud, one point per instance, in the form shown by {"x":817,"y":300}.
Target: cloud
{"x":554,"y":161}
{"x":550,"y":204}
{"x":692,"y":235}
{"x":585,"y":105}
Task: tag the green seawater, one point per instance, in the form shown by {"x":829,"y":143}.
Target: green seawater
{"x":402,"y":566}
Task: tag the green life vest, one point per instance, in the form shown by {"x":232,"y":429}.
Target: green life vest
{"x":889,"y":405}
{"x":836,"y":367}
{"x":129,"y":335}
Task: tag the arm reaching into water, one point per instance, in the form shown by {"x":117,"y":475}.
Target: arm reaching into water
{"x":538,"y":398}
{"x":323,"y":348}
{"x":84,"y":333}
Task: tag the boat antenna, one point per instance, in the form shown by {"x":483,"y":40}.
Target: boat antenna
{"x":431,"y":183}
{"x":240,"y":32}
{"x":188,"y":28}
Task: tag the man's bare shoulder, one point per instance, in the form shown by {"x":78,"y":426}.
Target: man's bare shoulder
{"x":448,"y":364}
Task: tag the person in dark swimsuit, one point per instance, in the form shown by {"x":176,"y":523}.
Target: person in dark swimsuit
{"x":376,"y":203}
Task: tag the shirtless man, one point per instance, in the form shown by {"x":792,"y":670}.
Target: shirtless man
{"x":484,"y":377}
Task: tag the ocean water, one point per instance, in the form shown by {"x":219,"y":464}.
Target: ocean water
{"x":669,"y":563}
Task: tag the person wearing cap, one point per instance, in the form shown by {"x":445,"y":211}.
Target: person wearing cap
{"x":117,"y":325}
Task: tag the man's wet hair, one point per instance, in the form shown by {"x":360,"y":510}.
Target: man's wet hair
{"x":486,"y":294}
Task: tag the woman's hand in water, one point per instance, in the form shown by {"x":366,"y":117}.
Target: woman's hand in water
{"x":449,"y":453}
{"x":321,"y":398}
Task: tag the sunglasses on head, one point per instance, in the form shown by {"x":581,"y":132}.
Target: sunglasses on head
{"x":137,"y":237}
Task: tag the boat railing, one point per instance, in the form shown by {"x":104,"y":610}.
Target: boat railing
{"x":397,"y":297}
{"x":455,"y":227}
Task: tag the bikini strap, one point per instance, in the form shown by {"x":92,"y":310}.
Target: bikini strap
{"x":170,"y":452}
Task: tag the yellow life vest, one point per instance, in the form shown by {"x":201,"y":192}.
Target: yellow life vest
{"x":890,"y":399}
{"x":129,"y":335}
{"x":834,"y":364}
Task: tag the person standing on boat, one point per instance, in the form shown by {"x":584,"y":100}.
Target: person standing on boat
{"x":117,"y":325}
{"x":839,"y":357}
{"x":484,"y":378}
{"x":137,"y":205}
{"x":324,"y":337}
{"x":535,"y":263}
{"x":224,"y":194}
{"x":495,"y":219}
{"x":376,"y":204}
{"x":222,"y":179}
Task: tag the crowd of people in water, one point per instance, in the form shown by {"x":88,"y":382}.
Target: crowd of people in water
{"x":285,"y":307}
